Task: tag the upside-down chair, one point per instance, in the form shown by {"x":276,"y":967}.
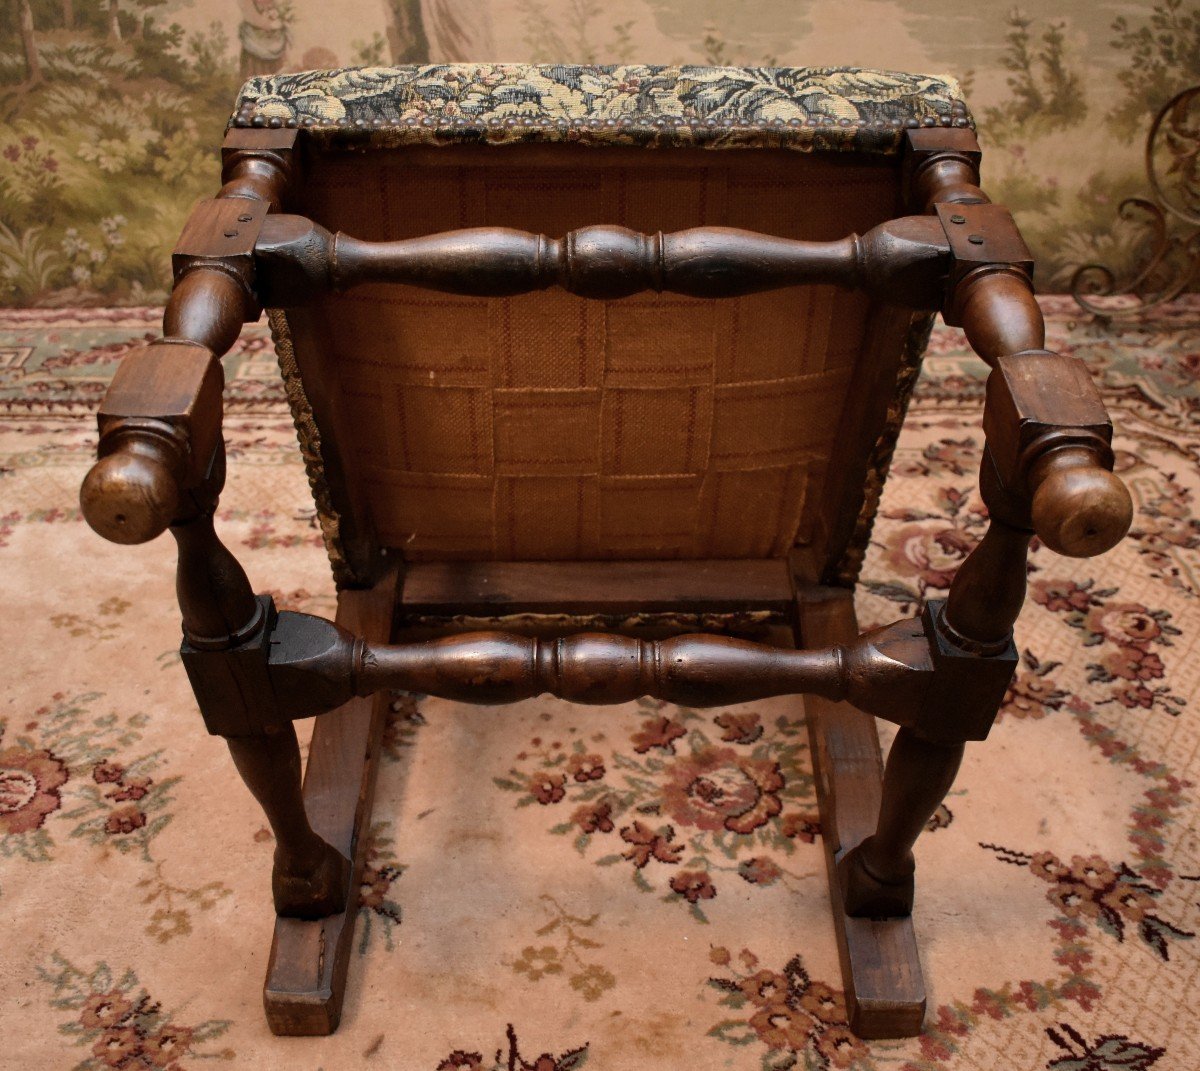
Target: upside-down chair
{"x":624,"y":349}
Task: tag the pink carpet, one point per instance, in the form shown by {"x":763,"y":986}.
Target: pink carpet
{"x":547,"y":887}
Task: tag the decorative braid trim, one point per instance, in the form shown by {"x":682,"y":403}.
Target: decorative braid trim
{"x":309,"y":436}
{"x":845,"y":573}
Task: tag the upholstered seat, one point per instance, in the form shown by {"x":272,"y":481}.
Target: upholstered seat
{"x":807,"y":109}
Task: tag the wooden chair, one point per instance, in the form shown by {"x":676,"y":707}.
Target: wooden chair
{"x":503,"y":425}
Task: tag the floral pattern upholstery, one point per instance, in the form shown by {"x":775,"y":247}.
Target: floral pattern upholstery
{"x":803,"y":108}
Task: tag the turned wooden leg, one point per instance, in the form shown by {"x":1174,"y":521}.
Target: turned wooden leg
{"x":877,"y":876}
{"x":985,"y":598}
{"x":310,"y":876}
{"x":221,"y":616}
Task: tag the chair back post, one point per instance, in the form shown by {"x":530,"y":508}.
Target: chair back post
{"x":160,"y":422}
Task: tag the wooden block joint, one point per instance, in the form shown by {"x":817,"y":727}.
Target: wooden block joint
{"x":967,"y":687}
{"x":289,"y":666}
{"x":233,"y":685}
{"x":1039,"y":400}
{"x":176,"y":383}
{"x":221,"y":233}
{"x":982,"y":235}
{"x":247,"y":139}
{"x":924,"y":142}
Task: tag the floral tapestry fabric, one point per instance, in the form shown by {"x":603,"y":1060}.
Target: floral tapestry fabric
{"x":807,"y":108}
{"x":552,"y":887}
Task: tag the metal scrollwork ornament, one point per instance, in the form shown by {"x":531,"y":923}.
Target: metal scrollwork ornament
{"x":1172,"y":262}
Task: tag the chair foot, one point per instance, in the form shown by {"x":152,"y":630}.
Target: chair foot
{"x":315,"y":892}
{"x":866,"y":896}
{"x":310,"y":958}
{"x":881,"y":971}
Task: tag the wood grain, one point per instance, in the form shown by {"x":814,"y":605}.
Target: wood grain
{"x":902,"y":260}
{"x":159,"y":423}
{"x":881,"y":972}
{"x":618,"y":587}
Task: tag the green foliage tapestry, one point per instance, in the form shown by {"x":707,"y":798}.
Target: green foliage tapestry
{"x":111,"y":110}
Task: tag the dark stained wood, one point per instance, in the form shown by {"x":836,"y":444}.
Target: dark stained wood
{"x":482,"y":589}
{"x":252,"y":140}
{"x":974,"y":660}
{"x":258,"y":164}
{"x":217,"y":604}
{"x":310,"y":879}
{"x":208,"y":306}
{"x":983,"y":235}
{"x":918,"y":672}
{"x":1050,"y":435}
{"x":213,"y":263}
{"x":1033,"y":394}
{"x":988,"y":590}
{"x":1079,"y":508}
{"x":998,"y":313}
{"x":990,"y":286}
{"x":1046,"y":425}
{"x":179,"y":381}
{"x":881,"y":973}
{"x":159,"y":423}
{"x":306,"y":665}
{"x":306,"y":974}
{"x":221,"y":232}
{"x":309,"y":665}
{"x":886,"y":671}
{"x":876,"y":878}
{"x":941,"y":165}
{"x":226,"y":632}
{"x":903,"y":260}
{"x":133,"y":492}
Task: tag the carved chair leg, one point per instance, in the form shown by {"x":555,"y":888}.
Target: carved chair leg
{"x":221,"y":616}
{"x":975,"y":623}
{"x":310,"y":876}
{"x":877,"y":876}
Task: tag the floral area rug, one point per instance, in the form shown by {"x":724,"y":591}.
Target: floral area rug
{"x":555,"y":887}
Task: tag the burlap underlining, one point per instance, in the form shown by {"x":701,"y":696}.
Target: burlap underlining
{"x":551,"y":427}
